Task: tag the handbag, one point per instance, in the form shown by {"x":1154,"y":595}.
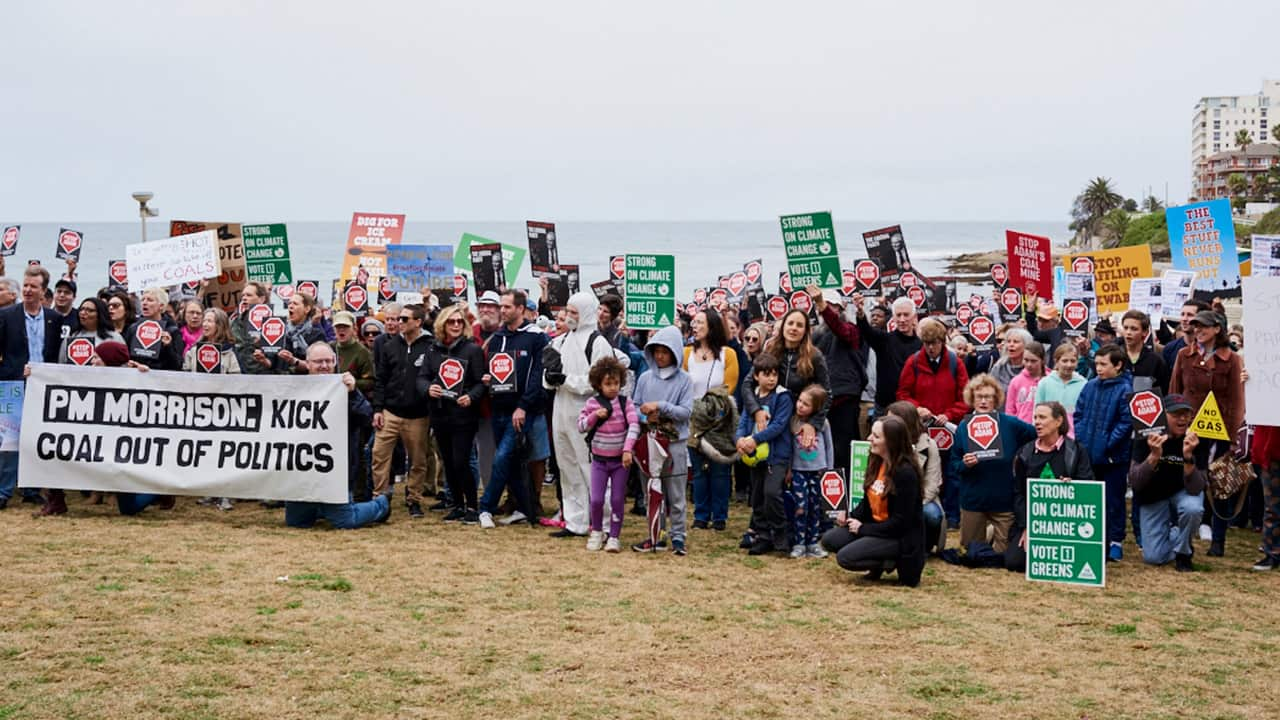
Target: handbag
{"x":1229,"y":477}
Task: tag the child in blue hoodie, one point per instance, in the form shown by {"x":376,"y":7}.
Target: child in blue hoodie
{"x":1103,"y":425}
{"x":664,"y":394}
{"x":768,"y":518}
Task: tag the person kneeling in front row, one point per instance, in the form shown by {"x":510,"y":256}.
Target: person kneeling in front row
{"x":1168,"y":487}
{"x":886,"y":529}
{"x":350,"y":515}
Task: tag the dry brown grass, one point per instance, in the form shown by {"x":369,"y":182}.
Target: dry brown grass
{"x":181,"y":614}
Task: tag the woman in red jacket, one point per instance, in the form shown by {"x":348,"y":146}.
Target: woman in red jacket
{"x":1266,"y":455}
{"x":933,"y":380}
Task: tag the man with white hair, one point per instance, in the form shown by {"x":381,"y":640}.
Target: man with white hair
{"x":892,"y":346}
{"x":349,"y":515}
{"x":579,"y":349}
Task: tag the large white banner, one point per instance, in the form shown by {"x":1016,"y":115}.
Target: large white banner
{"x":1261,"y":296}
{"x":173,"y":261}
{"x":278,"y":437}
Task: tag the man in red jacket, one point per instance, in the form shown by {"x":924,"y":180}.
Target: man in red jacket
{"x":933,"y":380}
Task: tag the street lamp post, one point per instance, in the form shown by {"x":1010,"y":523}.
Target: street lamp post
{"x":143,"y":197}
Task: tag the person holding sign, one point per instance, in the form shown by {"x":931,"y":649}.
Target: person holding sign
{"x":1103,"y":424}
{"x":154,"y":340}
{"x":452,"y":377}
{"x":1168,"y":485}
{"x":886,"y":529}
{"x":95,"y":327}
{"x":1051,"y":455}
{"x":1206,"y":367}
{"x":213,"y":352}
{"x":986,"y":470}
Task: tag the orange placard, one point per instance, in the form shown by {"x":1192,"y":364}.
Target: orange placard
{"x":1113,"y":271}
{"x":367,"y":242}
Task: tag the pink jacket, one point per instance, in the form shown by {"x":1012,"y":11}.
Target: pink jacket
{"x":1020,"y":400}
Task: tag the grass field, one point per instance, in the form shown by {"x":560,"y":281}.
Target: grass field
{"x":188,"y":614}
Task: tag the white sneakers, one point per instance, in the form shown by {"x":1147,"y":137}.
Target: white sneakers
{"x":613,"y":545}
{"x":1206,"y":532}
{"x":595,"y":540}
{"x":486,"y":521}
{"x":514,"y":518}
{"x":815,"y":551}
{"x":797,"y":551}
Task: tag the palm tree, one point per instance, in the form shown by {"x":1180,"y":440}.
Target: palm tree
{"x":1243,"y":139}
{"x":1237,"y":184}
{"x":1116,"y":224}
{"x":1152,"y":204}
{"x":1098,"y":199}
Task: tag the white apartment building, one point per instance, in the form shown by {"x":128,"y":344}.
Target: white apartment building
{"x":1217,"y":119}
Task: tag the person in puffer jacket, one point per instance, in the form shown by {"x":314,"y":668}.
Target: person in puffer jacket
{"x":579,"y":349}
{"x":1103,"y":425}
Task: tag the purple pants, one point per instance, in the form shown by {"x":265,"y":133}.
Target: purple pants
{"x":608,"y":471}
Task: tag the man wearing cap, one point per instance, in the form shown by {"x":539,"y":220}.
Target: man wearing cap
{"x":1046,"y":327}
{"x":487,"y":316}
{"x":400,"y":411}
{"x":1168,"y":477}
{"x":353,"y":357}
{"x":64,"y":299}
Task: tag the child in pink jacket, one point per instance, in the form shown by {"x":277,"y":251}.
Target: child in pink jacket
{"x":612,"y":426}
{"x":1020,"y":400}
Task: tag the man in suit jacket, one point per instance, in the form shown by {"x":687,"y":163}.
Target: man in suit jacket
{"x":29,"y":332}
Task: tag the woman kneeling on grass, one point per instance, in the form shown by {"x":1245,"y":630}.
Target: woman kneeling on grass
{"x":1051,"y":455}
{"x":886,"y":529}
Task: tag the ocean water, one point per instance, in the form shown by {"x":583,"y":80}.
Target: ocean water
{"x":704,"y":250}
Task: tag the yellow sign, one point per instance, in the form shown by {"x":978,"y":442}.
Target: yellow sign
{"x":1113,"y":271}
{"x":1208,"y":422}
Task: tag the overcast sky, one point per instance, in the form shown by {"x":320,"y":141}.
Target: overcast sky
{"x":605,"y":111}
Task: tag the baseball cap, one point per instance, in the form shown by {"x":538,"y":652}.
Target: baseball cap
{"x":344,"y":318}
{"x":70,"y":285}
{"x":1175,"y":401}
{"x":531,"y":305}
{"x":833,"y":297}
{"x":489,"y":297}
{"x":1047,"y":312}
{"x":1208,"y":318}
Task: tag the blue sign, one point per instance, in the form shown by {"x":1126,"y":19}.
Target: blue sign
{"x":1202,"y":239}
{"x":410,"y":268}
{"x":11,"y":394}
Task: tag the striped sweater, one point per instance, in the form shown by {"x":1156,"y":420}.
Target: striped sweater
{"x":616,"y":434}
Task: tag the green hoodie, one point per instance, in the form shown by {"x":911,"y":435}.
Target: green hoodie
{"x":354,"y":357}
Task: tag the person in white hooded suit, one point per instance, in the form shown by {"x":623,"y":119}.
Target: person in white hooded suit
{"x":583,"y":341}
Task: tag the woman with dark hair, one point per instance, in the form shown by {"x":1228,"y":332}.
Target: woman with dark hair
{"x":299,"y":333}
{"x":1051,"y":455}
{"x":94,"y":327}
{"x":1208,"y":365}
{"x":886,"y":529}
{"x":800,"y":364}
{"x":711,"y":365}
{"x":935,"y":533}
{"x":120,"y":310}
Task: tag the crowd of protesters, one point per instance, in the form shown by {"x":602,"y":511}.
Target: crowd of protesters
{"x":565,"y":398}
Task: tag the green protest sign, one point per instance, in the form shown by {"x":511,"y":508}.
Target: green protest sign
{"x":810,"y":244}
{"x":650,"y":291}
{"x":266,"y":254}
{"x":859,"y":456}
{"x":1065,"y":541}
{"x":512,"y":256}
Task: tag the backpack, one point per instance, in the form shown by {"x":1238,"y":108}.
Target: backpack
{"x":552,"y":365}
{"x":608,"y":408}
{"x":952,"y":361}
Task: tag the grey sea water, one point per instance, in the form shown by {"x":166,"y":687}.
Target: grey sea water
{"x":704,"y":250}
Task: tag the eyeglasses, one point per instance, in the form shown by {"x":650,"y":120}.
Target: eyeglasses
{"x":115,"y":305}
{"x":323,"y":363}
{"x":454,"y":321}
{"x":371,"y":334}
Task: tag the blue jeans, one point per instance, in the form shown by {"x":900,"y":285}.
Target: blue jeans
{"x":950,"y":495}
{"x":711,"y":488}
{"x":1169,"y":526}
{"x":506,"y":463}
{"x":134,"y":503}
{"x":342,"y":516}
{"x":932,"y":523}
{"x":8,"y":474}
{"x":1116,"y":476}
